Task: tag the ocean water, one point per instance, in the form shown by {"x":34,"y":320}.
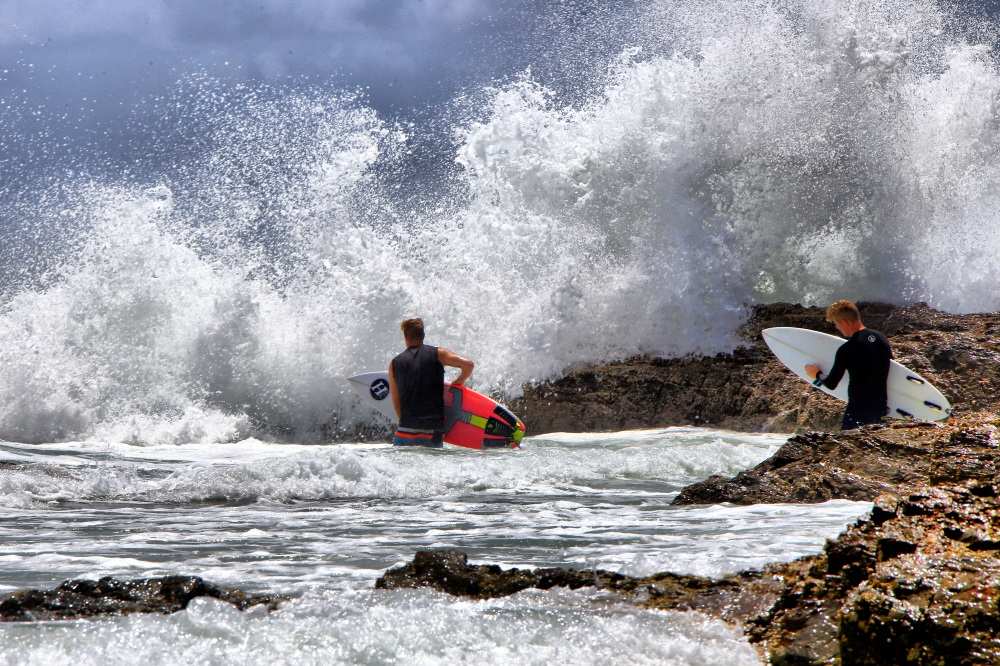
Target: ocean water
{"x":322,"y":522}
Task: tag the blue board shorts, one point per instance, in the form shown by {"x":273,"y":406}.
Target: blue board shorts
{"x":413,"y":437}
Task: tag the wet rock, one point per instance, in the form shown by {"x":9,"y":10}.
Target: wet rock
{"x":750,"y":390}
{"x":883,"y":511}
{"x":449,"y":571}
{"x":926,"y":598}
{"x":984,"y":437}
{"x":734,"y":598}
{"x":891,"y":547}
{"x":75,"y":599}
{"x":861,"y":464}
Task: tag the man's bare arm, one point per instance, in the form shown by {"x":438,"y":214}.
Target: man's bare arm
{"x":394,"y":391}
{"x":453,"y":360}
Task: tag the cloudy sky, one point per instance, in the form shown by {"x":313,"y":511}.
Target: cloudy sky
{"x":77,"y":70}
{"x":406,"y":52}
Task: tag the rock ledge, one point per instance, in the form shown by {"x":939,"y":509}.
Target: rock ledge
{"x":75,"y":599}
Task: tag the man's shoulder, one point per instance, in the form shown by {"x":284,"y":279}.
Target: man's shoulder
{"x":879,"y":335}
{"x":872,"y":337}
{"x":401,"y":356}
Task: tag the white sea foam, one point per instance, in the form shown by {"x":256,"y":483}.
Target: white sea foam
{"x":371,"y":628}
{"x":669,"y":458}
{"x":324,"y":521}
{"x":300,"y":517}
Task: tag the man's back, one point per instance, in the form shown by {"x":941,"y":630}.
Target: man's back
{"x":419,"y":377}
{"x":866,"y":356}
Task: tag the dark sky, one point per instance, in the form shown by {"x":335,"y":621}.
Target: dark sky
{"x":97,"y":54}
{"x":77,"y":76}
{"x":113,"y":47}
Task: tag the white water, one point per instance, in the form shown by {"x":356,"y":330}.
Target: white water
{"x":323,"y":522}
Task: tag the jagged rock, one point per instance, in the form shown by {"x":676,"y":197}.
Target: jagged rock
{"x":114,"y":596}
{"x":860,"y":464}
{"x":913,"y":594}
{"x":750,"y":390}
{"x":449,"y":571}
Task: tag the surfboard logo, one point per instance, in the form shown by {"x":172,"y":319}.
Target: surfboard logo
{"x":379,"y":389}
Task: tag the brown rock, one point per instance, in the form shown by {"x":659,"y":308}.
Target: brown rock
{"x":750,"y":390}
{"x":734,"y":598}
{"x":861,"y":464}
{"x":923,"y":598}
{"x":75,"y":599}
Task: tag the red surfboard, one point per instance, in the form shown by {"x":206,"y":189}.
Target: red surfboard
{"x":472,"y":420}
{"x":476,"y":422}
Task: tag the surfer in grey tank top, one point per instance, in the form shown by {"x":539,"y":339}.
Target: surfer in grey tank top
{"x":865,"y":357}
{"x":416,"y":383}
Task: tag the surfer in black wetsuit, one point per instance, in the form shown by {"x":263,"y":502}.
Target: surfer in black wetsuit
{"x":416,"y":383}
{"x":865,"y":357}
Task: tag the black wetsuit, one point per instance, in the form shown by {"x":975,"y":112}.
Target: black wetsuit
{"x":420,"y":382}
{"x":865,"y":357}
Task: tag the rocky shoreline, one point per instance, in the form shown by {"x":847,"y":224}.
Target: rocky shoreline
{"x":916,"y":582}
{"x":750,"y":390}
{"x":862,"y":464}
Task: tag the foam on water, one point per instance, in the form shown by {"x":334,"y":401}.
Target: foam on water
{"x":298,"y":517}
{"x":289,"y":473}
{"x":322,"y":522}
{"x":417,"y":627}
{"x":729,"y":154}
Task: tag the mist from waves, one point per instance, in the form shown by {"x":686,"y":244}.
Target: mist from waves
{"x":731,"y":153}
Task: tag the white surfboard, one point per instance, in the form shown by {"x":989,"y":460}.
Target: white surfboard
{"x":373,"y":389}
{"x":910,"y":395}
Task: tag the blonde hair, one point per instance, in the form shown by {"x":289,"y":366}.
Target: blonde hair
{"x":843,"y":310}
{"x":413,"y":329}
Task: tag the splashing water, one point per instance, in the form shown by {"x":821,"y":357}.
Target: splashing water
{"x":729,"y":155}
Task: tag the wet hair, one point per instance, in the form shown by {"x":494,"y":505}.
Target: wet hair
{"x":843,"y":310}
{"x":413,"y":329}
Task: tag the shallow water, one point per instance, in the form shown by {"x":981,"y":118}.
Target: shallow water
{"x":322,"y":522}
